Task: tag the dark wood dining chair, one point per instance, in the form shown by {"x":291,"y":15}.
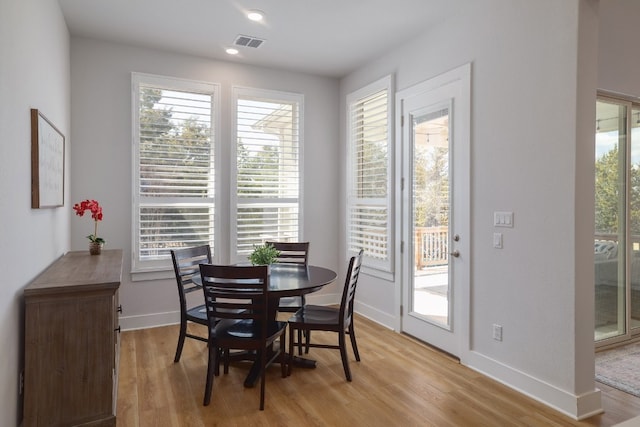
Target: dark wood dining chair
{"x":291,"y":253}
{"x":320,"y":318}
{"x":185,"y":264}
{"x":236,"y":298}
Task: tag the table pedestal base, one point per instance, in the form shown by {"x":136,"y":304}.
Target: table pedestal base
{"x":254,"y":372}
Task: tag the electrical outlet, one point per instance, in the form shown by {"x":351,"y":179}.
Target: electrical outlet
{"x":497,"y":332}
{"x":21,"y":383}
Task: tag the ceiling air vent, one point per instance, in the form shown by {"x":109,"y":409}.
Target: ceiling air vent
{"x":248,"y":41}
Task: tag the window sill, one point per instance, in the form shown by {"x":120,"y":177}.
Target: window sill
{"x":374,"y":272}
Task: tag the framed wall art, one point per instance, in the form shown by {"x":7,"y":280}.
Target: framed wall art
{"x":47,"y":163}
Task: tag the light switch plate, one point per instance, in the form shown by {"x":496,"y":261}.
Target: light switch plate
{"x":497,"y":240}
{"x":503,"y":219}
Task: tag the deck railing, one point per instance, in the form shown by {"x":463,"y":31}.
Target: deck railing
{"x":431,"y":246}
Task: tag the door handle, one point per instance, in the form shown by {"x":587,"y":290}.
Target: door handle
{"x":455,"y":253}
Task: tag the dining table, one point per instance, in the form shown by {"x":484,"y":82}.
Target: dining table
{"x":288,"y":280}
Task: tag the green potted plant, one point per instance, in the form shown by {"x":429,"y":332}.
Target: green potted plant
{"x":264,"y":255}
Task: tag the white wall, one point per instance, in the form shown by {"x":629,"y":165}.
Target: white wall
{"x":525,"y":158}
{"x":101,"y":159}
{"x":34,"y":73}
{"x":618,"y":59}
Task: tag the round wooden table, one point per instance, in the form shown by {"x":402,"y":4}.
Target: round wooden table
{"x":289,"y":280}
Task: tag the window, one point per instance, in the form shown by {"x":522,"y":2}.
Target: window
{"x":179,"y":176}
{"x":266,"y":203}
{"x":368,"y":174}
{"x":173,"y":184}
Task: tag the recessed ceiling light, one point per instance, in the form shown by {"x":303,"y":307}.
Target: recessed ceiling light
{"x":232,"y":51}
{"x":255,"y":15}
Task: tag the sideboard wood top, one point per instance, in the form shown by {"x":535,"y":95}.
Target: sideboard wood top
{"x":75,"y":269}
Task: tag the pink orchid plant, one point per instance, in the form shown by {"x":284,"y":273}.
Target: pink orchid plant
{"x":96,"y":213}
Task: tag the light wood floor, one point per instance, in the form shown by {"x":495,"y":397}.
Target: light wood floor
{"x":399,"y":382}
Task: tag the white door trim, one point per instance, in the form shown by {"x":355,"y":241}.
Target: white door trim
{"x":461,"y":75}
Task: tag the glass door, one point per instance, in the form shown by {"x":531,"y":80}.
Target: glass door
{"x":431,"y":205}
{"x":435,"y":210}
{"x":634,"y":226}
{"x":610,"y":238}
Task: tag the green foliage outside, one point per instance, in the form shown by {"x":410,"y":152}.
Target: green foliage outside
{"x":609,"y":186}
{"x":431,"y":187}
{"x":610,"y":195}
{"x":172,"y":150}
{"x":175,"y":161}
{"x":257,"y":171}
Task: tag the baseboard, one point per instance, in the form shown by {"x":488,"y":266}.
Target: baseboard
{"x":633,"y":422}
{"x":322,"y":299}
{"x":384,"y":319}
{"x":577,"y":407}
{"x":153,"y":320}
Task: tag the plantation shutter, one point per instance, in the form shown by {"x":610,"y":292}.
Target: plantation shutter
{"x":268,"y":168}
{"x":175,"y":173}
{"x":368,"y":170}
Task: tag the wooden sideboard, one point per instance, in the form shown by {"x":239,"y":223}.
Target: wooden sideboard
{"x":72,"y":341}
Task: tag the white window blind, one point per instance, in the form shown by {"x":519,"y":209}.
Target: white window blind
{"x":267,"y":128}
{"x":368,"y":197}
{"x":174,"y":167}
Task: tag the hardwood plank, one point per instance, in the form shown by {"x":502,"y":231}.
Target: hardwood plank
{"x":127,"y":406}
{"x":400,"y":381}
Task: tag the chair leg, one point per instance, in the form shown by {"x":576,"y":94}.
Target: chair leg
{"x":307,"y":340}
{"x":283,"y":355}
{"x":291,"y":347}
{"x":306,"y":333}
{"x":216,"y":372}
{"x":300,"y":342}
{"x":352,"y":336}
{"x":343,"y":355}
{"x":263,"y":375}
{"x":227,"y":353}
{"x":211,"y":368}
{"x":183,"y":333}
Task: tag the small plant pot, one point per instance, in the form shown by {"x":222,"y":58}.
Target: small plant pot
{"x":95,"y":248}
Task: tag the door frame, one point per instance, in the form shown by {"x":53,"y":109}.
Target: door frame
{"x":630,"y":333}
{"x":462,"y":116}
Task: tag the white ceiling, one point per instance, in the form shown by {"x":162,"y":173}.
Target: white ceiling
{"x":325,"y":37}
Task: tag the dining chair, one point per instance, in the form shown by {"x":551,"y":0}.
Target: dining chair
{"x":291,"y":253}
{"x":185,"y":265}
{"x":236,"y":299}
{"x":321,"y":318}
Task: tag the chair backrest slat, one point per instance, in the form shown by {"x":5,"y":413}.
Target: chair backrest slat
{"x":235,"y":292}
{"x":349,"y":291}
{"x":292,"y":252}
{"x":186,"y":263}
